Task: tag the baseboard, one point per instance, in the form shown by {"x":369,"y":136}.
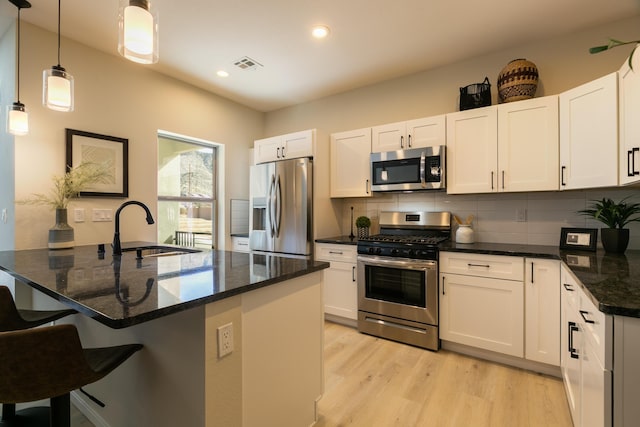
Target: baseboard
{"x":503,"y":359}
{"x":341,"y":320}
{"x":78,"y":400}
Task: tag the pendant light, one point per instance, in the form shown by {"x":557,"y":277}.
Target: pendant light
{"x":138,"y":31}
{"x":17,"y":117}
{"x":57,"y":84}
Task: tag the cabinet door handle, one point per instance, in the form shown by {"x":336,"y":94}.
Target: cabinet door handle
{"x":532,"y":273}
{"x":278,"y":152}
{"x":479,"y":265}
{"x":366,"y":187}
{"x":562,"y":175}
{"x":442,"y":285}
{"x":409,"y":140}
{"x":492,"y":180}
{"x":353,"y":273}
{"x":633,"y":160}
{"x":503,"y":180}
{"x":283,"y":155}
{"x":629,"y":162}
{"x":583,"y":313}
{"x":572,"y":328}
{"x":336,"y":252}
{"x":568,"y":287}
{"x":401,"y":141}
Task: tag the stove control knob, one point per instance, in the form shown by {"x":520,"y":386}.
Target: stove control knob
{"x":394,"y":252}
{"x":378,"y":251}
{"x":410,"y":252}
{"x":371,"y":250}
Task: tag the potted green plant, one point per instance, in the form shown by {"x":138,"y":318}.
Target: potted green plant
{"x":362,"y":224}
{"x":615,"y":43}
{"x":65,"y":188}
{"x":615,"y":216}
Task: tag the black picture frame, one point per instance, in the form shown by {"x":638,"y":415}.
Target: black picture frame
{"x":583,"y":239}
{"x":88,"y":146}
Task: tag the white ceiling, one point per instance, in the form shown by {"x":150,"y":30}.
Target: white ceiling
{"x":370,"y":40}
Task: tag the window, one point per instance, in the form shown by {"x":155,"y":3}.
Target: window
{"x":187,"y":172}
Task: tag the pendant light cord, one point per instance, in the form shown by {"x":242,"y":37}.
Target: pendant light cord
{"x":59,"y":3}
{"x":18,"y":91}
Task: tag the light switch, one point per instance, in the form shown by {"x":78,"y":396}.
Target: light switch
{"x":102,"y":215}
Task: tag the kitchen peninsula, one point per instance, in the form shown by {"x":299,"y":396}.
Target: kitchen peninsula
{"x":174,"y":305}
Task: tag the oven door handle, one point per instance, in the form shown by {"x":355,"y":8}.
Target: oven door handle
{"x":414,"y":264}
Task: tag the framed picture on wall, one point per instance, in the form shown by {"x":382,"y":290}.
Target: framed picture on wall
{"x":106,"y":150}
{"x":579,"y":238}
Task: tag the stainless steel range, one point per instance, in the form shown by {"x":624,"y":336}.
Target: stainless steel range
{"x":398,"y":277}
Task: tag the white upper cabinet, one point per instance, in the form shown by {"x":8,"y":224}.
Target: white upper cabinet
{"x":589,"y":134}
{"x":472,"y":145}
{"x":282,"y":147}
{"x":528,"y":145}
{"x":509,"y":147}
{"x":629,"y":113}
{"x":350,"y":163}
{"x":425,"y":132}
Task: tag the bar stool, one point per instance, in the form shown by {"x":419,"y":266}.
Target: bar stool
{"x":13,"y":319}
{"x":48,"y":363}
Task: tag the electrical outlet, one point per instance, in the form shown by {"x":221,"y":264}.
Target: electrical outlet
{"x":521,"y":215}
{"x":225,"y":340}
{"x":78,"y":215}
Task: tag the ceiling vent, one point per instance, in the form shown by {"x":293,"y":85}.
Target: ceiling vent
{"x":246,"y":63}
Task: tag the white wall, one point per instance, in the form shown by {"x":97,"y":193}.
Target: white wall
{"x":116,"y":97}
{"x":7,"y":97}
{"x":563,"y":63}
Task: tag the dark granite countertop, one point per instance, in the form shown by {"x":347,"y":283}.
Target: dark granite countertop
{"x":122,"y":291}
{"x":339,"y":240}
{"x":611,"y":281}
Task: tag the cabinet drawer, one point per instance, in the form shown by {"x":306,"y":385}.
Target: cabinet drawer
{"x":330,"y":252}
{"x":596,"y":324}
{"x":492,"y":266}
{"x":569,"y":289}
{"x":240,"y":244}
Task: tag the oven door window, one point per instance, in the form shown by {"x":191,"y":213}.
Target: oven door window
{"x":403,"y":171}
{"x":401,"y":286}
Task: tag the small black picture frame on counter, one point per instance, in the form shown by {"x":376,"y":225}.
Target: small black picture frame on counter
{"x":583,"y":239}
{"x":109,"y":150}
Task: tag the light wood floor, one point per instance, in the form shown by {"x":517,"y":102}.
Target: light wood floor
{"x":372,"y":382}
{"x":375,"y":382}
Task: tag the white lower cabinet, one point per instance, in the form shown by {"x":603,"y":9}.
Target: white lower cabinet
{"x":542,"y":310}
{"x":340,"y":290}
{"x":587,"y":356}
{"x":479,"y":310}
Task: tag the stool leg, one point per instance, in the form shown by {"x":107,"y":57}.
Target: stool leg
{"x":61,"y":411}
{"x":8,"y":411}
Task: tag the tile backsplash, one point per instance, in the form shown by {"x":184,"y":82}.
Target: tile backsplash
{"x":530,"y":218}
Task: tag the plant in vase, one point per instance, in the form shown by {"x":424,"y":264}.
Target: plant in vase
{"x":615,"y":43}
{"x":615,"y":216}
{"x":65,"y":188}
{"x":362,"y":224}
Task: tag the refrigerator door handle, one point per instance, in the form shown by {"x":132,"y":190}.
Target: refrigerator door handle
{"x":271,"y":205}
{"x":278,"y":218}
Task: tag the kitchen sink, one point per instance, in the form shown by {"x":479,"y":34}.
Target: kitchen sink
{"x":160,"y":250}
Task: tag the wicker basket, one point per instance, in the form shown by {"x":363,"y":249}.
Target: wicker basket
{"x":517,"y":81}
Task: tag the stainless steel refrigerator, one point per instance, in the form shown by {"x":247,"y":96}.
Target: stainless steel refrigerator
{"x":281,"y":207}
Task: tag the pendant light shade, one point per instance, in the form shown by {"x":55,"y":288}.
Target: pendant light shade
{"x":57,"y":84}
{"x":138,"y":31}
{"x":18,"y":120}
{"x":17,"y":116}
{"x":57,"y":89}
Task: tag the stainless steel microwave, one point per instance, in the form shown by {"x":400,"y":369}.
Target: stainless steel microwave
{"x":409,"y":170}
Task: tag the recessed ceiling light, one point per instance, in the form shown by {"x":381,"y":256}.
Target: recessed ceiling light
{"x":222,"y":73}
{"x":320,"y":31}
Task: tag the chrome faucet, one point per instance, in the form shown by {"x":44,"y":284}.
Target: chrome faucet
{"x":117,"y":249}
